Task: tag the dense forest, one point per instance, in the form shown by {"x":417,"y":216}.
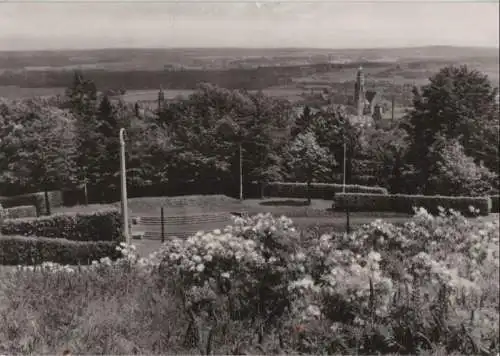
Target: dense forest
{"x":446,"y":144}
{"x":250,"y":79}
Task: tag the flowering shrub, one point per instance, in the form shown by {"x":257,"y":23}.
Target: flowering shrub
{"x":430,"y":282}
{"x":251,"y":264}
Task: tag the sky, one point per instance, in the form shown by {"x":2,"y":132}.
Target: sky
{"x":47,"y":24}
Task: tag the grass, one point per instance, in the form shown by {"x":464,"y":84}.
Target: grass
{"x":317,"y":216}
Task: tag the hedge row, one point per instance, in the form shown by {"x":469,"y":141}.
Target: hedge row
{"x":20,"y":212}
{"x":317,"y":190}
{"x":405,"y":203}
{"x":21,"y":250}
{"x":495,"y":204}
{"x":104,"y":225}
{"x":35,"y":199}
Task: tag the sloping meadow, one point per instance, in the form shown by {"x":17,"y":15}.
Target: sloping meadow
{"x":260,"y":286}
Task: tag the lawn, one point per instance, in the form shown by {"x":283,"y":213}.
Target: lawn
{"x":185,"y":215}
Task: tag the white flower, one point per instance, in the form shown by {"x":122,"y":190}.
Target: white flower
{"x":200,"y":268}
{"x":313,"y":310}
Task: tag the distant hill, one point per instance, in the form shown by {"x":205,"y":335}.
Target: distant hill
{"x":224,"y":58}
{"x":292,"y":72}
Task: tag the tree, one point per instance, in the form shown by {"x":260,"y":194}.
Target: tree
{"x":458,"y":103}
{"x":455,"y":173}
{"x":308,"y":159}
{"x":108,"y":145}
{"x":39,"y":149}
{"x":386,"y":151}
{"x":82,"y":97}
{"x":333,"y":130}
{"x":232,"y":130}
{"x":303,"y":121}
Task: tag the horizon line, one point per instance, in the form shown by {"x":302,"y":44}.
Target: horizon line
{"x":248,"y":48}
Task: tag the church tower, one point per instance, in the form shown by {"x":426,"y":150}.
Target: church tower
{"x":359,"y":92}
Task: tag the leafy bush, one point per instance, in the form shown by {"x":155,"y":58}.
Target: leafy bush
{"x":237,"y":264}
{"x":19,"y":212}
{"x":318,"y":190}
{"x":495,"y":205}
{"x":3,"y":214}
{"x":21,"y":250}
{"x":458,"y":174}
{"x":35,"y":199}
{"x":104,"y":225}
{"x":406,"y":203}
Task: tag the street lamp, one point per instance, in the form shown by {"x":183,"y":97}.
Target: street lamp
{"x":123,"y":177}
{"x":232,"y":129}
{"x":348,"y":224}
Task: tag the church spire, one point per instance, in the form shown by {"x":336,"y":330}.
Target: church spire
{"x":359,"y":92}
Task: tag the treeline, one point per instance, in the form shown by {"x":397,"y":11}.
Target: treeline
{"x":447,"y":144}
{"x":250,"y":79}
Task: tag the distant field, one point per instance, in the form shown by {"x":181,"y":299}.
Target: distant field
{"x":14,"y":92}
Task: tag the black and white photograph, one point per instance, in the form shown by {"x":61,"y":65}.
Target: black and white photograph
{"x":235,"y":177}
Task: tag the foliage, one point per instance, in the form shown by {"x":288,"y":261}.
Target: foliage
{"x":104,"y":225}
{"x":333,"y":129}
{"x":406,"y":203}
{"x":458,"y":103}
{"x":386,"y":150}
{"x":495,"y":203}
{"x":38,"y":200}
{"x":37,"y":145}
{"x":316,"y":190}
{"x":457,"y":174}
{"x":308,"y":160}
{"x":21,"y":250}
{"x":430,"y":284}
{"x":3,"y":215}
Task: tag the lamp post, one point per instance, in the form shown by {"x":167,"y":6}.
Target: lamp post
{"x":344,"y":169}
{"x":232,"y":129}
{"x":123,"y":178}
{"x":348,"y":224}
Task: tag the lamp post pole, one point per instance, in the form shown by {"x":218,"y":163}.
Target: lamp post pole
{"x":241,"y":169}
{"x":123,"y":178}
{"x":347,"y":223}
{"x":344,"y":169}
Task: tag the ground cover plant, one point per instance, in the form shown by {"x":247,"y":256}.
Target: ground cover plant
{"x":262,"y":286}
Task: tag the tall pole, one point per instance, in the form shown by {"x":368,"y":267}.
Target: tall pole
{"x":343,"y":178}
{"x":123,"y":177}
{"x":241,"y":170}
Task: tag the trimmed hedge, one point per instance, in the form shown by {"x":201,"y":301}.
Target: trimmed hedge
{"x":20,"y":212}
{"x":21,"y":250}
{"x":104,"y":225}
{"x":495,"y":204}
{"x":405,"y":203}
{"x":317,"y":190}
{"x":36,"y":199}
